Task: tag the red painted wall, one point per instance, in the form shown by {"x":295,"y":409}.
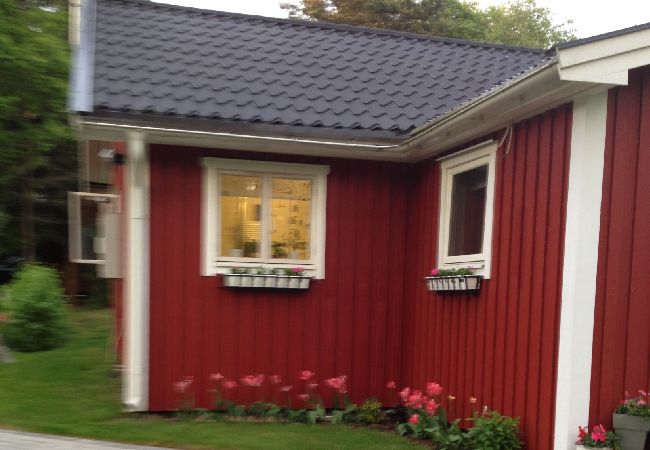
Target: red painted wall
{"x":350,"y":323}
{"x":372,"y":318}
{"x":621,"y":351}
{"x":500,"y":346}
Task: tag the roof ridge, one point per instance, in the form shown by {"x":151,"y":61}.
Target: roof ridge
{"x":337,"y":26}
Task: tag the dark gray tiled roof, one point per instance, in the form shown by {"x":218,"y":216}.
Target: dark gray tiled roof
{"x":160,"y":59}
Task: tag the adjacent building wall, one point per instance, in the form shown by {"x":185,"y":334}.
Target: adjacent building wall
{"x":500,"y":346}
{"x":621,"y":350}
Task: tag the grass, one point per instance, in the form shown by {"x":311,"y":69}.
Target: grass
{"x":73,"y":391}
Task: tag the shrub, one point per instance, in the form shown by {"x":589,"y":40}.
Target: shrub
{"x":370,"y":411}
{"x":37,"y":310}
{"x":492,"y":431}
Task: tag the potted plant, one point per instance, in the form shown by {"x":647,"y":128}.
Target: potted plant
{"x":259,"y":276}
{"x":234,"y":278}
{"x":453,"y":280}
{"x":237,"y":234}
{"x":252,"y":249}
{"x":632,"y":421}
{"x":295,"y":244}
{"x":297,"y":278}
{"x":598,"y":438}
{"x":282,"y":280}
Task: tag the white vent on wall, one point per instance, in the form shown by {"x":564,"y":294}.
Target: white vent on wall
{"x":94,"y":231}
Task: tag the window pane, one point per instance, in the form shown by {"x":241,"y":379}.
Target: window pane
{"x":241,"y":215}
{"x":291,"y":218}
{"x":468,"y":212}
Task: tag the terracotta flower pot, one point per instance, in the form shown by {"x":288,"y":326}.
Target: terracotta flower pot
{"x":631,"y":430}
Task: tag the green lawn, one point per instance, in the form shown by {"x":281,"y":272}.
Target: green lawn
{"x":73,"y":391}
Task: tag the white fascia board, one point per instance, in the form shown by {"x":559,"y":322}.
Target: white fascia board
{"x":580,"y":266}
{"x":607,"y":60}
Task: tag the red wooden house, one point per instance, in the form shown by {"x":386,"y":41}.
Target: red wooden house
{"x":367,"y":157}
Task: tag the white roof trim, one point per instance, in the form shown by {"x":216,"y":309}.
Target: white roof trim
{"x":607,"y":60}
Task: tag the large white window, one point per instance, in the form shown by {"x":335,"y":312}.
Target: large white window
{"x":263,"y":214}
{"x":466,"y":209}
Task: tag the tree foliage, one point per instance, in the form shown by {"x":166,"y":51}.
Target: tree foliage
{"x":520,"y":22}
{"x":37,"y":153}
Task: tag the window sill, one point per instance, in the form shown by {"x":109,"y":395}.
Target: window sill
{"x":226,"y":267}
{"x":236,"y":280}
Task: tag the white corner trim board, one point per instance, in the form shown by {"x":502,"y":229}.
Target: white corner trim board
{"x":135,"y":388}
{"x":580,"y":268}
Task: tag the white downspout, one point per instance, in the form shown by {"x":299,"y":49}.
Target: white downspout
{"x":580,"y":268}
{"x":135,"y":390}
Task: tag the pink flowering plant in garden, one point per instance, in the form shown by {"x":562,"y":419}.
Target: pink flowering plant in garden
{"x":635,"y":406}
{"x":597,"y":438}
{"x":183,"y":390}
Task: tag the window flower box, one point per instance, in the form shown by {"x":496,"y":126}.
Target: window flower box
{"x":453,"y":280}
{"x":277,"y":279}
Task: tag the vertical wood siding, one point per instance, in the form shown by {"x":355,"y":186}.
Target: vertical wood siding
{"x":621,"y":351}
{"x":500,"y":346}
{"x":350,"y":323}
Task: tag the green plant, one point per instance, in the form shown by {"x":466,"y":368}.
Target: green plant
{"x":492,"y":431}
{"x":347,"y":415}
{"x":251,"y":248}
{"x":239,"y":270}
{"x":370,"y":411}
{"x":36,"y":309}
{"x":636,"y":406}
{"x":455,"y":272}
{"x":450,"y":437}
{"x":278,"y":250}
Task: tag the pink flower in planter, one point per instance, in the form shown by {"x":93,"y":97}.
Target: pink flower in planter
{"x":286,"y":388}
{"x":414,"y":419}
{"x":404,"y":394}
{"x":435,"y":272}
{"x":312,"y":385}
{"x":472,"y":400}
{"x":343,"y":389}
{"x":433,"y":389}
{"x":216,"y":377}
{"x":252,"y":380}
{"x":431,"y":406}
{"x":391,"y":385}
{"x":582,"y":433}
{"x":297,"y":270}
{"x":599,"y":434}
{"x":275,"y":379}
{"x":303,"y":397}
{"x":228,"y":384}
{"x":305,"y":374}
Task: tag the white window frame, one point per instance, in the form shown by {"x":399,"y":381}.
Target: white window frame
{"x":74,"y":227}
{"x":212,"y":262}
{"x":468,"y":159}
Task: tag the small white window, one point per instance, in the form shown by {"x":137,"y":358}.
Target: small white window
{"x":259,"y":213}
{"x":466,"y":209}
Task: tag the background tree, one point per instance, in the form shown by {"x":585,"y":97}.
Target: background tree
{"x":520,"y":22}
{"x":37,"y":150}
